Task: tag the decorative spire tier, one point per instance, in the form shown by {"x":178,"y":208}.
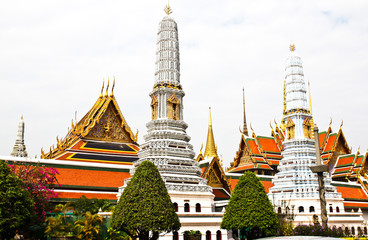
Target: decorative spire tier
{"x":167,"y":54}
{"x":297,"y":116}
{"x":166,"y":142}
{"x":19,"y":149}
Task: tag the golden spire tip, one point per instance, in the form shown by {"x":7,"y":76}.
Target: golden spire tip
{"x":292,"y":47}
{"x":210,"y":118}
{"x":167,"y":9}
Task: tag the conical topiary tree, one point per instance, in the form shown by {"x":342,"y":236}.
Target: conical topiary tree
{"x":249,"y":209}
{"x":145,"y":208}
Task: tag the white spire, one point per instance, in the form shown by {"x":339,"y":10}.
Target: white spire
{"x":19,"y":149}
{"x":167,"y":54}
{"x":295,"y":90}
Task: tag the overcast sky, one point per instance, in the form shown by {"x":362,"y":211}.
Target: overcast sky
{"x":54,"y":55}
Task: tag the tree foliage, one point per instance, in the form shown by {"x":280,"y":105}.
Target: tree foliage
{"x":16,"y":206}
{"x":39,"y":182}
{"x":249,"y":208}
{"x":145,"y":208}
{"x":84,"y":204}
{"x":90,"y":227}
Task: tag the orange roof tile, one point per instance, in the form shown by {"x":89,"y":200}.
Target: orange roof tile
{"x":219,"y":193}
{"x":268,"y":144}
{"x":82,"y":177}
{"x":330,"y":142}
{"x":356,"y":204}
{"x":345,"y":160}
{"x":321,"y":136}
{"x":75,"y":195}
{"x":267,"y":185}
{"x":252,"y":146}
{"x":352,"y":192}
{"x":359,"y":161}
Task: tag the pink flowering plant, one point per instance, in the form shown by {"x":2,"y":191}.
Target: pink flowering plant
{"x":39,"y":181}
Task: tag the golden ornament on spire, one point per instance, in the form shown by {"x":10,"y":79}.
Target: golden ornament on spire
{"x":103,"y":84}
{"x":210,"y":145}
{"x":310,"y":106}
{"x":107,"y":87}
{"x":167,"y":9}
{"x":112,"y":89}
{"x":292,"y":47}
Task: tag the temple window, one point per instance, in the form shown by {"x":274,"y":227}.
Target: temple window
{"x":331,"y":209}
{"x":311,"y":209}
{"x":208,"y":235}
{"x":176,"y":207}
{"x":337,"y":209}
{"x":198,"y":207}
{"x":186,"y":207}
{"x":218,"y":235}
{"x":301,"y":209}
{"x":175,"y":235}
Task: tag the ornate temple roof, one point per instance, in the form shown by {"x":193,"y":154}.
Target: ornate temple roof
{"x":102,"y":135}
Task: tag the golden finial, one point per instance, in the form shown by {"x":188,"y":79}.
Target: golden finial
{"x":274,"y":120}
{"x":103,"y":83}
{"x":310,"y":106}
{"x":75,"y":116}
{"x":250,"y":124}
{"x":245,"y":129}
{"x":284,"y":103}
{"x":21,"y":118}
{"x":271,"y":126}
{"x":342,"y":123}
{"x":329,"y":125}
{"x":292,"y":47}
{"x":210,"y":145}
{"x":167,"y":9}
{"x":112,"y":89}
{"x":107,"y":87}
{"x":200,"y":150}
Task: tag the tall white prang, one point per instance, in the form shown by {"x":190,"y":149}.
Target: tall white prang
{"x":295,"y":190}
{"x":167,"y":143}
{"x":19,"y":149}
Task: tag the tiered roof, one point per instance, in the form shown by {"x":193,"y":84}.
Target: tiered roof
{"x":259,"y":154}
{"x":96,"y":155}
{"x":102,"y":135}
{"x":348,"y":166}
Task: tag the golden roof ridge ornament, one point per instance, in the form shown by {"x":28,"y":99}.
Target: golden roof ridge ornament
{"x":112,"y":89}
{"x":107,"y":87}
{"x":167,"y":9}
{"x":103,"y":84}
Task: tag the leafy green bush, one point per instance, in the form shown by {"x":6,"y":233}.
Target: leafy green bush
{"x":145,"y":207}
{"x":317,"y":230}
{"x":249,"y":209}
